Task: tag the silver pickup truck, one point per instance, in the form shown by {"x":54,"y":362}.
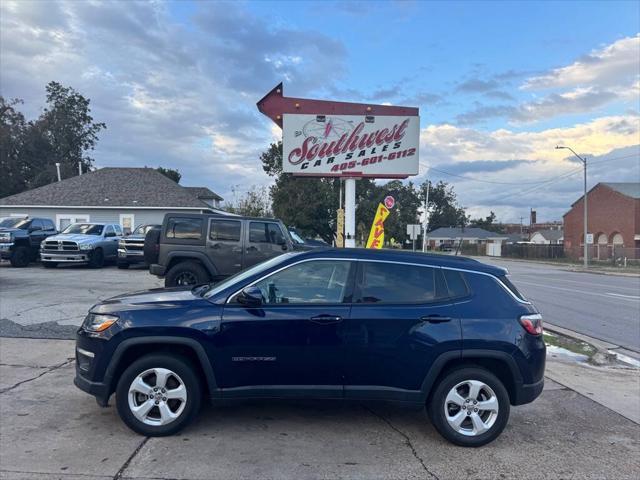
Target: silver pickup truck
{"x":82,"y":243}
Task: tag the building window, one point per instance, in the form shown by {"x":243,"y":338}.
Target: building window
{"x":64,"y":220}
{"x":617,"y":239}
{"x":127,"y":222}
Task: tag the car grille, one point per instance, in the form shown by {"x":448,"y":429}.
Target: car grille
{"x":60,"y":246}
{"x":134,"y":245}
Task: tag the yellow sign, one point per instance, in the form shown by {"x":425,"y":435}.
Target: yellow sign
{"x":376,"y":235}
{"x":340,"y":229}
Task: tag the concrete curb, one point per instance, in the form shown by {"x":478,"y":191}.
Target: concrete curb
{"x":621,"y":354}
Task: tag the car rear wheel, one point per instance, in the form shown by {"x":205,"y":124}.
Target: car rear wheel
{"x":20,"y":257}
{"x":186,"y":273}
{"x":158,"y":395}
{"x":469,"y":407}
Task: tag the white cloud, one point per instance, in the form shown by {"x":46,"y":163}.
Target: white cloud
{"x":611,"y":65}
{"x":448,"y":147}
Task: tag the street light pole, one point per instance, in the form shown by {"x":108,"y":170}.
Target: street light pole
{"x":584,"y":164}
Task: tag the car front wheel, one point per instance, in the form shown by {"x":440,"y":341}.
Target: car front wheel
{"x":158,"y":395}
{"x":469,"y":407}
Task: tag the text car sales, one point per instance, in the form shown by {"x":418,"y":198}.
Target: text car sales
{"x":353,"y":149}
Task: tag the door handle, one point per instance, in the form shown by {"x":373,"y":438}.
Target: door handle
{"x":325,"y":319}
{"x":435,"y":319}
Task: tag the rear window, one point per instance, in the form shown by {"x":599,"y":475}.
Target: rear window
{"x":456,"y":283}
{"x":504,"y":279}
{"x":184,"y":228}
{"x":399,"y":283}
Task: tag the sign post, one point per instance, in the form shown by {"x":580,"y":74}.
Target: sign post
{"x":348,"y":140}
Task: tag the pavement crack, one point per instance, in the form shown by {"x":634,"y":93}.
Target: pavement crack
{"x":407,"y":440}
{"x":125,"y":465}
{"x":49,"y":370}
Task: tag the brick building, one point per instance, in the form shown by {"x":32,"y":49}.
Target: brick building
{"x":613,"y":218}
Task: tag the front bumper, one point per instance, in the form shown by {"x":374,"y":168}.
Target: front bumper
{"x":75,"y":257}
{"x":131,"y":256}
{"x":97,"y":389}
{"x":5,"y":250}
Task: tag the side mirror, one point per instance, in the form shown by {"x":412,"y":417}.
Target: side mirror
{"x":250,"y":296}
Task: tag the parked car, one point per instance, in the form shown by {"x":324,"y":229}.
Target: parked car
{"x":131,"y":247}
{"x":306,"y":242}
{"x":82,"y":243}
{"x":192,"y":249}
{"x":448,"y":333}
{"x":20,"y":238}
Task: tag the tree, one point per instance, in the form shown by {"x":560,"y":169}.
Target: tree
{"x":488,"y":223}
{"x":171,"y":173}
{"x":69,"y":130}
{"x":12,"y":130}
{"x":254,"y":203}
{"x":444,"y":210}
{"x":308,"y":204}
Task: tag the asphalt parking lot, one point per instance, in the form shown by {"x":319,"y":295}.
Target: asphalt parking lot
{"x":49,"y":429}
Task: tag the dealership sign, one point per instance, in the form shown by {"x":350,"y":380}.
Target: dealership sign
{"x":351,"y":145}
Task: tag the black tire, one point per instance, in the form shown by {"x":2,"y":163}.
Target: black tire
{"x":96,"y":258}
{"x":436,"y":407}
{"x":49,"y":264}
{"x":184,"y":370}
{"x":122,"y":265}
{"x":186,"y":273}
{"x":20,"y":257}
{"x":151,"y":241}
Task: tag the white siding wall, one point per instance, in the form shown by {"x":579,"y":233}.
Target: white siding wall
{"x":95,"y":215}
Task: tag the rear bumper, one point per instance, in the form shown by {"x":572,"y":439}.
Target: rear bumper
{"x":155,"y":269}
{"x":528,"y":392}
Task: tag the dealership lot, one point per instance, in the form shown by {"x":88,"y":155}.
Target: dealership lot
{"x":49,"y":429}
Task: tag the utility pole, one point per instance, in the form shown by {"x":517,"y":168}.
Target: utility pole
{"x":586,"y":231}
{"x":425,"y":225}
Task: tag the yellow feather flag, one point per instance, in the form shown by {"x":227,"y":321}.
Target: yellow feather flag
{"x":376,"y":235}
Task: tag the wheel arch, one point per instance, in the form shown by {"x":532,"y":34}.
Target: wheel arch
{"x":501,"y":364}
{"x":131,"y":349}
{"x":175,"y":257}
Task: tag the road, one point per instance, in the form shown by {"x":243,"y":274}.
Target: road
{"x":605,"y":307}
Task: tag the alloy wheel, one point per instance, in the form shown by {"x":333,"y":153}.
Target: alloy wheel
{"x":186,"y":278}
{"x":157,"y":396}
{"x":471,"y":408}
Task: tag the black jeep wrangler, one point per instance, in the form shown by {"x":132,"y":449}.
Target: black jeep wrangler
{"x":192,"y":249}
{"x":20,"y":238}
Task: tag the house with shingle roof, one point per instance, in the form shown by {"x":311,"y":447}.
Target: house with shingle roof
{"x":128,"y":196}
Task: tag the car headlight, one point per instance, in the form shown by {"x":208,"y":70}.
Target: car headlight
{"x":85,"y":246}
{"x":97,"y":322}
{"x":5,"y":237}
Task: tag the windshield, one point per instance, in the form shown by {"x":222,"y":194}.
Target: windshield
{"x":13,"y":222}
{"x":143,"y":229}
{"x":84,"y":229}
{"x":238,"y":277}
{"x":296,"y":237}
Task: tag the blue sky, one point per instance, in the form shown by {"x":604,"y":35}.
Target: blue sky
{"x":498,"y":84}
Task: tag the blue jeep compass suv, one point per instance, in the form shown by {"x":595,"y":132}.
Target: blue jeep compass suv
{"x":448,"y":333}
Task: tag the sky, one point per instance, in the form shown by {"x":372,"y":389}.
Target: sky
{"x":498,"y":84}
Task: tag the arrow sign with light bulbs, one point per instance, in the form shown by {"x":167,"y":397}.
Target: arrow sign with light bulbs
{"x":341,"y":139}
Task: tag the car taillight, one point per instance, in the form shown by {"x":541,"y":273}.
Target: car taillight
{"x":532,"y":323}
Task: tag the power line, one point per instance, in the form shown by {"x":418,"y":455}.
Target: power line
{"x":539,"y":182}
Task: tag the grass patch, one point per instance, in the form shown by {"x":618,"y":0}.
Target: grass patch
{"x":571,"y":344}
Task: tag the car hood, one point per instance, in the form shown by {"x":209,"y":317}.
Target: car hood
{"x":75,"y":237}
{"x":149,"y":299}
{"x":10,"y":230}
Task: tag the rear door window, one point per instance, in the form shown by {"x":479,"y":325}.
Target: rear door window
{"x":225,"y":230}
{"x":381,"y":282}
{"x":184,"y":228}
